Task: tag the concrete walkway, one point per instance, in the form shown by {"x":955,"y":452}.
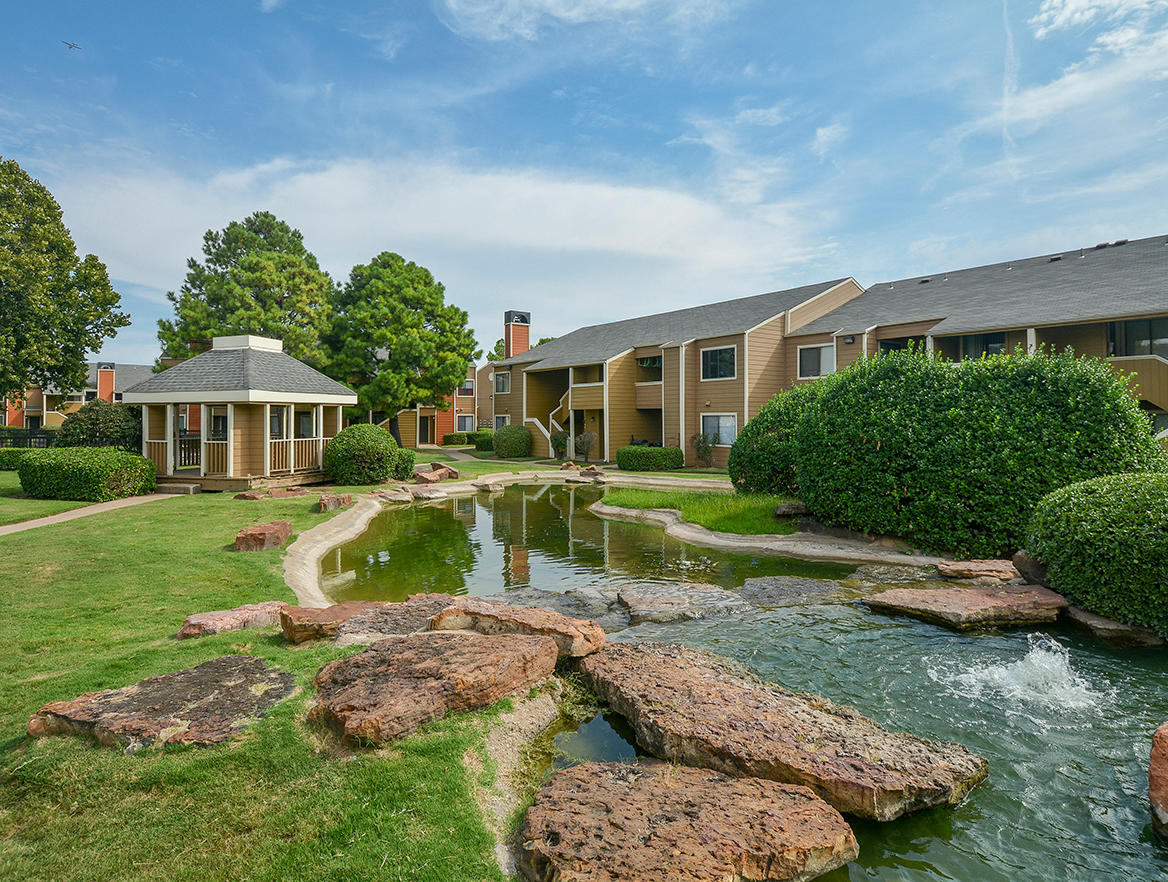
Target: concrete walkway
{"x":458,"y":455}
{"x":83,"y":512}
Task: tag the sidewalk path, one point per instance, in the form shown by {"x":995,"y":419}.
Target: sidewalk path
{"x":457,"y":455}
{"x":83,"y":512}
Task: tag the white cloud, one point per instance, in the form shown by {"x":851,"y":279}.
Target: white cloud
{"x":1055,"y":15}
{"x":828,"y":137}
{"x":270,"y":5}
{"x":504,"y":19}
{"x":762,"y":116}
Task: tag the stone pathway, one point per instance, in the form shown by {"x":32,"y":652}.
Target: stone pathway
{"x":83,"y":512}
{"x":976,"y":607}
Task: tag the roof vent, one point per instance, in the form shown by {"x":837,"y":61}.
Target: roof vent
{"x":924,"y":281}
{"x":1100,"y":245}
{"x":1055,"y":258}
{"x":1119,"y":242}
{"x":1081,"y":253}
{"x":1009,"y":266}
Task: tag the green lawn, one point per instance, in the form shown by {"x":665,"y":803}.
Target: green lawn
{"x":15,"y":508}
{"x":94,"y":604}
{"x":745,"y":513}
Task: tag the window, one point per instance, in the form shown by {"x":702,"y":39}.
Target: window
{"x":218,"y":427}
{"x":75,"y":397}
{"x":503,"y":383}
{"x":816,"y":361}
{"x":466,"y":390}
{"x":502,"y":419}
{"x":652,"y":361}
{"x":465,"y":422}
{"x":90,"y":395}
{"x":304,"y":424}
{"x":720,"y":364}
{"x":276,"y":423}
{"x":723,"y":427}
{"x":1142,"y":337}
{"x":977,"y":345}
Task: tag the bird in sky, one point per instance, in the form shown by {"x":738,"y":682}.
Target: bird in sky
{"x":70,"y":45}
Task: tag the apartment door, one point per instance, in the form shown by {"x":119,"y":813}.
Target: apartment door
{"x":34,"y":423}
{"x":424,"y":427}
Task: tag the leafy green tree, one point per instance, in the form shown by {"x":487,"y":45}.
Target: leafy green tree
{"x":256,"y":277}
{"x":54,"y":306}
{"x":499,"y":351}
{"x":101,"y":424}
{"x":395,"y":340}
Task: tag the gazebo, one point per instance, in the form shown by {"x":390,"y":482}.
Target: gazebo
{"x":263,"y":417}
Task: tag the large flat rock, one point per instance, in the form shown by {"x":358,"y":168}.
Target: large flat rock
{"x":702,"y":710}
{"x":596,"y":603}
{"x":977,"y":607}
{"x":1113,"y":631}
{"x":780,"y":590}
{"x":392,"y":620}
{"x":200,"y":705}
{"x":401,"y":683}
{"x":574,"y":637}
{"x":990,"y":570}
{"x":678,"y":602}
{"x":1158,"y":782}
{"x":604,"y":822}
{"x":251,"y":615}
{"x":301,"y":623}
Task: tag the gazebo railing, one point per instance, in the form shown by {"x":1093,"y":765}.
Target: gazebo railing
{"x":215,"y":457}
{"x":295,"y":454}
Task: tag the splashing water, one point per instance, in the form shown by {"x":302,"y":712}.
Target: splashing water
{"x":1043,"y":676}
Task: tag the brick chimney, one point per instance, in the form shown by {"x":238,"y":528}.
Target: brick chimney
{"x":105,"y":381}
{"x":516,"y":332}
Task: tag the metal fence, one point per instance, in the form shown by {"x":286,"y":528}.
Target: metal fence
{"x":27,"y":438}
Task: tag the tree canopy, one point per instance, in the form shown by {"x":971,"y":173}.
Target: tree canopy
{"x":499,"y":351}
{"x":54,"y":306}
{"x":395,"y":340}
{"x":256,"y":277}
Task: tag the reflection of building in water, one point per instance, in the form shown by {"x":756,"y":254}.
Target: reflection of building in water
{"x":464,"y":510}
{"x":516,"y":566}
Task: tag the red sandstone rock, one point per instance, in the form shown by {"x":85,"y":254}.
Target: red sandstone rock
{"x":253,"y":615}
{"x":334,"y":501}
{"x":1158,"y":782}
{"x":964,"y":608}
{"x":1112,"y":631}
{"x":447,"y":471}
{"x":397,"y":494}
{"x":427,"y":492}
{"x":202,"y":705}
{"x":698,"y":709}
{"x":575,"y":638}
{"x":1002,"y":570}
{"x":261,"y":537}
{"x":611,"y":822}
{"x":569,"y":466}
{"x":251,"y":494}
{"x":424,"y":476}
{"x":287,"y":492}
{"x":392,"y":620}
{"x":303,"y":623}
{"x":401,"y":683}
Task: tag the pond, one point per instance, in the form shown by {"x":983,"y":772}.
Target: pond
{"x":1065,"y":720}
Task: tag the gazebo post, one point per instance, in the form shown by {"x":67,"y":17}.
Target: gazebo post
{"x":267,"y":440}
{"x":202,"y":440}
{"x":230,"y":440}
{"x":169,"y":440}
{"x":318,"y":431}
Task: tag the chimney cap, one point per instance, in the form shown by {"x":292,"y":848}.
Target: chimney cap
{"x":516,"y":317}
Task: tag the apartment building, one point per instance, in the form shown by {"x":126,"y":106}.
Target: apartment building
{"x":48,"y":407}
{"x":664,"y":378}
{"x":427,"y":425}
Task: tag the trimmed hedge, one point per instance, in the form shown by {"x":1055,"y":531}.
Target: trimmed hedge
{"x":512,"y":442}
{"x":91,"y":474}
{"x":484,"y":440}
{"x":360,"y":454}
{"x":458,"y":439}
{"x":10,"y":458}
{"x":954,"y":456}
{"x":1105,"y":545}
{"x":639,"y":458}
{"x":101,"y":424}
{"x":762,"y":457}
{"x":402,"y":468}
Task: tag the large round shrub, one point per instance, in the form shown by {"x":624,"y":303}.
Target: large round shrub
{"x":954,"y":456}
{"x":512,"y":442}
{"x":360,"y":454}
{"x":10,"y":458}
{"x":762,"y":457}
{"x":1105,"y":545}
{"x":101,"y":424}
{"x":640,"y":458}
{"x":92,"y":474}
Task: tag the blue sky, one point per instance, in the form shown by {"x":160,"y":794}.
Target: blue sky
{"x":592,"y":159}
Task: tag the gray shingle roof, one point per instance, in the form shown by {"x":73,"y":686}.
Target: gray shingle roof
{"x":1061,"y":288}
{"x":224,"y":370}
{"x":596,"y":343}
{"x":125,"y":376}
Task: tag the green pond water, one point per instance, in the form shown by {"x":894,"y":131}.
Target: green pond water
{"x":1065,"y":720}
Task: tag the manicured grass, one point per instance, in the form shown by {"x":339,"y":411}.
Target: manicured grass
{"x":15,"y":508}
{"x":745,"y":513}
{"x":94,"y":604}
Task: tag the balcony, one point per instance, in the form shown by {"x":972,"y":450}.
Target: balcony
{"x":648,"y":395}
{"x":587,"y":396}
{"x":1151,"y":376}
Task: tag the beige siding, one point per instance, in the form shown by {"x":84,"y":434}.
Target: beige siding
{"x":766,"y":369}
{"x":330,"y":421}
{"x":1085,"y":339}
{"x":510,"y":403}
{"x":711,"y":396}
{"x":624,"y":420}
{"x":671,"y":414}
{"x":893,"y":332}
{"x":248,"y":436}
{"x":846,"y":353}
{"x":648,"y":396}
{"x":155,"y":421}
{"x":544,"y":389}
{"x":407,"y":426}
{"x":817,"y":307}
{"x":587,"y":397}
{"x":483,"y":392}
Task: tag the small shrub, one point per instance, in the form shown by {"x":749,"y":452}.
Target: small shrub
{"x":484,"y":440}
{"x":638,"y":458}
{"x":762,"y":457}
{"x":402,"y":468}
{"x":512,"y":442}
{"x":101,"y":424}
{"x":360,"y":454}
{"x":559,"y":441}
{"x":954,"y":456}
{"x":456,"y":439}
{"x":704,"y":447}
{"x":585,"y":441}
{"x":10,"y":458}
{"x":91,"y":474}
{"x":1105,"y":545}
